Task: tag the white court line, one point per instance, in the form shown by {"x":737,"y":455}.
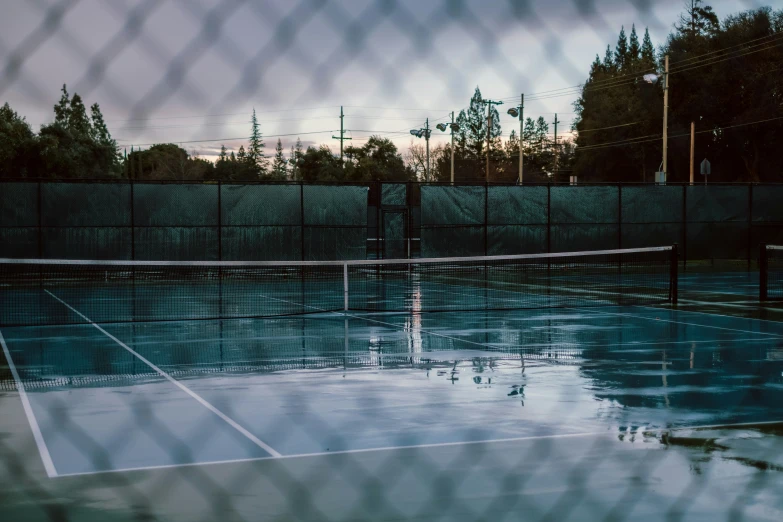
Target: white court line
{"x":51,"y":471}
{"x":258,"y":442}
{"x":750,"y":306}
{"x":350,"y":452}
{"x":719,"y":315}
{"x":557,"y":436}
{"x":636,"y":316}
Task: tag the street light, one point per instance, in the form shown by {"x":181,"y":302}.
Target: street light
{"x":425,"y":133}
{"x":454,"y":128}
{"x":517,"y":112}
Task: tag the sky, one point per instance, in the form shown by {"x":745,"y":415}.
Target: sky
{"x":191,"y":71}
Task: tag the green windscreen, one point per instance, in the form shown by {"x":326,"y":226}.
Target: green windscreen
{"x":651,"y":216}
{"x":86,"y":220}
{"x":261,"y":222}
{"x":19,"y":220}
{"x":452,"y":220}
{"x":717,"y":222}
{"x":175,"y":221}
{"x":335,"y":222}
{"x":584,"y":218}
{"x":516,"y":220}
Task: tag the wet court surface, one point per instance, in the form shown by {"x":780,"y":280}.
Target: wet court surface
{"x":155,"y":396}
{"x":328,"y":383}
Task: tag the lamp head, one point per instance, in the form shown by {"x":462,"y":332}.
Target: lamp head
{"x":513,"y":112}
{"x":441,"y":127}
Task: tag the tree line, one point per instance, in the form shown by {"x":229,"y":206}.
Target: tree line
{"x":725,"y":77}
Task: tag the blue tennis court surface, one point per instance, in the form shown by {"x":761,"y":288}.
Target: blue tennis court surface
{"x":121,"y":396}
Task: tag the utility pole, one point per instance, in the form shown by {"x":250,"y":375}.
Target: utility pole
{"x":427,"y":139}
{"x":489,"y":103}
{"x":665,"y":114}
{"x":556,"y":151}
{"x":693,"y":143}
{"x":521,"y":133}
{"x":342,"y":136}
{"x":452,"y":147}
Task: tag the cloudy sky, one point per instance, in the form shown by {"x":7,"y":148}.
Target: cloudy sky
{"x":191,"y":71}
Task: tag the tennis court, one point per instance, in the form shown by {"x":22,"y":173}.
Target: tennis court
{"x":384,"y":390}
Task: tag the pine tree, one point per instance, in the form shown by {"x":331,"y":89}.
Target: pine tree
{"x":648,"y":52}
{"x":223,"y":154}
{"x":279,"y":165}
{"x":78,"y":123}
{"x":461,"y":135}
{"x":100,"y":133}
{"x":476,"y":126}
{"x":62,"y":111}
{"x":634,"y":51}
{"x":255,"y":151}
{"x":621,"y":57}
{"x":609,"y":65}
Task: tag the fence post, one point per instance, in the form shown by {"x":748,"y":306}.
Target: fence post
{"x":301,"y":219}
{"x":40,"y":223}
{"x":684,"y":227}
{"x":762,"y":272}
{"x":220,"y":221}
{"x":549,"y":218}
{"x":486,"y":219}
{"x":620,"y":215}
{"x":750,"y":222}
{"x":673,"y":283}
{"x":132,"y":222}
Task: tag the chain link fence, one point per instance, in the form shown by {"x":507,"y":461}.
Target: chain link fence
{"x":489,"y":416}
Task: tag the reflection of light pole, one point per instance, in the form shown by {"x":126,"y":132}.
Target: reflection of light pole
{"x":425,"y":133}
{"x":454,"y":127}
{"x":514,"y":112}
{"x":489,"y":103}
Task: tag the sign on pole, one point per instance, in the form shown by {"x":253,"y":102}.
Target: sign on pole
{"x":706,"y":169}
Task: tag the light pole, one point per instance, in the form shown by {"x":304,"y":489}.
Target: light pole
{"x":514,"y":112}
{"x":425,"y":133}
{"x":653,"y":78}
{"x":489,"y":103}
{"x":454,"y":127}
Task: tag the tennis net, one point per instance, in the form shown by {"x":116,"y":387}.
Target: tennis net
{"x":771,"y":273}
{"x":52,"y":292}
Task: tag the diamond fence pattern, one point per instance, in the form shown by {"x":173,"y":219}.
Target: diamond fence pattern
{"x":628,"y":472}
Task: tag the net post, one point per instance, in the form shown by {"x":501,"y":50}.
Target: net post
{"x":763,"y":272}
{"x":673,"y":283}
{"x":345,"y":287}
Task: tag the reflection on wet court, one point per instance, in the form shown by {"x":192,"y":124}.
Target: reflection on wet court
{"x":324,"y":383}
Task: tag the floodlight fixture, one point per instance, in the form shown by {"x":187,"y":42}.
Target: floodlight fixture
{"x":441,"y":127}
{"x":454,"y":127}
{"x":513,"y":112}
{"x":651,"y":78}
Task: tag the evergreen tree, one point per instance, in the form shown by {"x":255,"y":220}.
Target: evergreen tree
{"x":476,"y":126}
{"x":697,"y":20}
{"x":255,"y":151}
{"x":461,"y":136}
{"x":634,"y":50}
{"x":647,"y":52}
{"x":609,"y":65}
{"x":279,"y":164}
{"x":62,"y":111}
{"x":78,"y":122}
{"x":621,"y":56}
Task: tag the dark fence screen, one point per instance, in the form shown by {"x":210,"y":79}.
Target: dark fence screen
{"x":291,"y":221}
